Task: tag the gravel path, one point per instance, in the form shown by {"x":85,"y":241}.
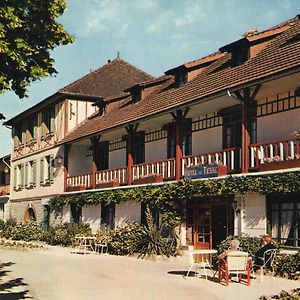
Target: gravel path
{"x":58,"y":274}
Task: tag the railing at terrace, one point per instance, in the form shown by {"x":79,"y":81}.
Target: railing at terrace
{"x":119,"y":175}
{"x":164,"y":168}
{"x":79,"y":180}
{"x":229,"y":157}
{"x":276,"y":151}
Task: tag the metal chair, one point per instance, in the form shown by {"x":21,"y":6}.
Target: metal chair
{"x":267,"y":262}
{"x":99,"y":247}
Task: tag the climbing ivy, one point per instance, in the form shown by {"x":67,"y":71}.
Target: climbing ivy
{"x":170,"y":198}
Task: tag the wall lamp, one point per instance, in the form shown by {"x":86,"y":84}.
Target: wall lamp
{"x":59,"y":160}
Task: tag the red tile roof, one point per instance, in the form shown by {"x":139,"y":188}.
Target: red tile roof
{"x":280,"y":55}
{"x":111,"y":79}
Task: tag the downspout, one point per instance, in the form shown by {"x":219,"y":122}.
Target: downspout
{"x":3,"y":160}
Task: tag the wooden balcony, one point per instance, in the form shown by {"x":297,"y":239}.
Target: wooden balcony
{"x":79,"y":182}
{"x":163,"y":168}
{"x":152,"y":172}
{"x":229,"y":157}
{"x":275,"y":155}
{"x":105,"y":177}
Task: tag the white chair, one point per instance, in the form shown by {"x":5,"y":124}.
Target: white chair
{"x":235,"y":262}
{"x":267,"y":262}
{"x":100,"y":247}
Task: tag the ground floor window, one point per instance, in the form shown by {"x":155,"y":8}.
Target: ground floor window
{"x":108,"y":216}
{"x":76,"y":213}
{"x":284,"y":218}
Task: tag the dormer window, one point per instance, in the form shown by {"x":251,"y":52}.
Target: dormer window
{"x":240,"y":55}
{"x":181,"y":79}
{"x":101,"y":107}
{"x":136,"y":95}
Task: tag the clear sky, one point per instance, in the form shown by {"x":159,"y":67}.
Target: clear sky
{"x":153,"y":35}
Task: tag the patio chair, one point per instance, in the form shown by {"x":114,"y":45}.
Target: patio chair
{"x":266,"y":262}
{"x":101,"y":247}
{"x":235,"y":262}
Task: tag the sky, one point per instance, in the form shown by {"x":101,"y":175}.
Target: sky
{"x":153,"y":35}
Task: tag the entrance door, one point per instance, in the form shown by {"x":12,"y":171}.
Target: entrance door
{"x":208,"y":224}
{"x":219,"y":224}
{"x":202,"y":231}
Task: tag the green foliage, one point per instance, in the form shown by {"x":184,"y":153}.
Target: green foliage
{"x":247,"y":244}
{"x":287,"y":266}
{"x":124,"y":240}
{"x":28,"y":32}
{"x":64,"y":234}
{"x":153,"y":242}
{"x":24,"y":232}
{"x":170,"y":198}
{"x":284,"y":295}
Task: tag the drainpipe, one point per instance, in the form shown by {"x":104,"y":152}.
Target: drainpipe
{"x":3,"y":160}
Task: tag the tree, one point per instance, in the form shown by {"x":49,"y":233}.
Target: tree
{"x":28,"y":33}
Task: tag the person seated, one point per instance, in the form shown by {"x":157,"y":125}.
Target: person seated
{"x":259,"y":255}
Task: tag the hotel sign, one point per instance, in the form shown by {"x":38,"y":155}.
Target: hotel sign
{"x":208,"y":171}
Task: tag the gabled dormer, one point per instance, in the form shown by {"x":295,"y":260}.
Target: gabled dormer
{"x":142,"y":90}
{"x":252,"y":43}
{"x":188,"y":71}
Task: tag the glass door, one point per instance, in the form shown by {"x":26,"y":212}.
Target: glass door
{"x":202,"y":232}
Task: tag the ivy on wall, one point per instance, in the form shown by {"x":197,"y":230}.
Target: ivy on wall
{"x":170,"y":198}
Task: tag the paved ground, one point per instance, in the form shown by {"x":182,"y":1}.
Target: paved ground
{"x":57,"y":274}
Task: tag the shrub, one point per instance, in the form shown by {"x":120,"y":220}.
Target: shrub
{"x":25,"y":232}
{"x":287,"y":266}
{"x":153,"y":242}
{"x":64,"y":234}
{"x":124,"y":240}
{"x":284,"y":295}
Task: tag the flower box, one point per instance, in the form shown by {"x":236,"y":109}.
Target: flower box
{"x":108,"y":184}
{"x":76,"y":188}
{"x":155,"y":178}
{"x":278,"y":165}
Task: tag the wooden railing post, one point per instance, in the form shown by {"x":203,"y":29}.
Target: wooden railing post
{"x":67,"y":148}
{"x":131,"y":130}
{"x":179,"y":117}
{"x":95,"y":146}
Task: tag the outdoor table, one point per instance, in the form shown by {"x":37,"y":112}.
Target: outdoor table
{"x":287,"y":252}
{"x":205,"y":260}
{"x":85,"y":243}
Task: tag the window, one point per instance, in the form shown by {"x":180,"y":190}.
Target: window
{"x":284,"y":218}
{"x":17,"y":133}
{"x":102,"y":157}
{"x":136,"y":95}
{"x":2,"y":178}
{"x":2,"y":211}
{"x":186,"y":139}
{"x":240,"y":55}
{"x":29,"y":215}
{"x":30,"y":174}
{"x":47,"y":169}
{"x":76,"y":214}
{"x":108,"y":216}
{"x":48,"y":119}
{"x":181,"y":79}
{"x":137,"y":148}
{"x":31,"y":132}
{"x":46,"y":220}
{"x":19,"y":177}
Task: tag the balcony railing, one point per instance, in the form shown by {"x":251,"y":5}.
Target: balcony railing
{"x":164,"y":168}
{"x":119,"y":175}
{"x":79,"y":180}
{"x":229,"y":157}
{"x":276,"y":151}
